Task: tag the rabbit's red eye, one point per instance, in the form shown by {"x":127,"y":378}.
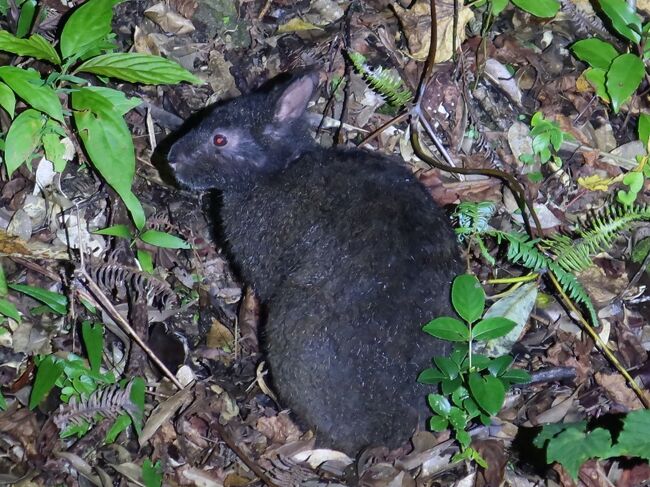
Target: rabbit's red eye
{"x":219,"y":140}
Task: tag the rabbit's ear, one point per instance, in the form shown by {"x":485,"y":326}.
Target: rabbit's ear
{"x":292,"y":103}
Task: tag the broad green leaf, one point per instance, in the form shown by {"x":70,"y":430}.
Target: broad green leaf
{"x":57,"y":302}
{"x":121,"y":231}
{"x":644,"y":129}
{"x":539,"y":8}
{"x":447,"y":366}
{"x":596,"y":53}
{"x":438,"y":423}
{"x":47,"y":373}
{"x":3,"y":403}
{"x":596,"y":78}
{"x":26,"y":18}
{"x":447,"y":328}
{"x":7,"y":308}
{"x":151,"y":473}
{"x":36,"y":47}
{"x":439,"y":404}
{"x":490,"y":328}
{"x":121,"y":423}
{"x":164,"y":240}
{"x":93,"y":336}
{"x":138,"y":68}
{"x":498,"y":6}
{"x":29,"y":86}
{"x":431,"y":376}
{"x":634,"y":440}
{"x":108,"y":142}
{"x":7,"y":99}
{"x":87,"y":27}
{"x":78,"y":430}
{"x":54,"y":150}
{"x":499,"y":365}
{"x":468,"y":297}
{"x":4,"y":7}
{"x":623,"y":78}
{"x":23,"y":138}
{"x":624,"y":18}
{"x":488,"y":392}
{"x":572,"y":447}
{"x":118,"y":99}
{"x":516,"y":376}
{"x":634,"y":180}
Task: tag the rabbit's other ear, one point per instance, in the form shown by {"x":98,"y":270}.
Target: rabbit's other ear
{"x":292,"y":102}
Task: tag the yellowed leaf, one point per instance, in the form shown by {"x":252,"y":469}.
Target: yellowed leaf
{"x":296,"y":25}
{"x":596,"y":182}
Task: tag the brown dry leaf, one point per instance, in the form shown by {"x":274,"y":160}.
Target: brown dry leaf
{"x":618,"y":390}
{"x":278,"y":429}
{"x":602,"y":287}
{"x":220,"y":336}
{"x":184,"y":7}
{"x":416,"y":26}
{"x":495,"y":455}
{"x":168,"y":20}
{"x":11,"y":246}
{"x":163,"y":413}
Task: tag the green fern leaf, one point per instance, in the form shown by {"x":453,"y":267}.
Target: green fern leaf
{"x":384,"y":81}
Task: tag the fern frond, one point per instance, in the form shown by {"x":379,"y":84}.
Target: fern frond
{"x":384,"y":81}
{"x":572,"y":287}
{"x":522,"y":250}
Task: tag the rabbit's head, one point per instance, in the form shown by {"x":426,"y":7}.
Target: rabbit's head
{"x":231,"y":144}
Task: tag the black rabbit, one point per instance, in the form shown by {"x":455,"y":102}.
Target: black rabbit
{"x":346,"y":250}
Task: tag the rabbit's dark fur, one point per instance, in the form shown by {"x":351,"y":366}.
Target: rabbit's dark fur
{"x":346,"y":250}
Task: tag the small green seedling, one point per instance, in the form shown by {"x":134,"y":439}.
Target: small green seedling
{"x":472,"y":385}
{"x":547,"y":139}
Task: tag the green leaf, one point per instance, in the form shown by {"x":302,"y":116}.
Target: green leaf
{"x":164,"y":240}
{"x":516,"y":376}
{"x":151,"y":473}
{"x":596,"y":78}
{"x":57,"y":302}
{"x":573,"y":447}
{"x":146,"y":261}
{"x":36,"y":47}
{"x":498,"y":6}
{"x":7,"y":308}
{"x":7,"y":99}
{"x":596,"y":53}
{"x":500,"y":364}
{"x":634,"y":440}
{"x":23,"y":138}
{"x":447,"y":366}
{"x":54,"y":150}
{"x":108,"y":142}
{"x":439,"y":404}
{"x":490,"y":328}
{"x":3,"y":403}
{"x":48,"y":372}
{"x":438,"y":423}
{"x":29,"y":86}
{"x":138,"y":387}
{"x":623,"y":18}
{"x":93,"y":336}
{"x":121,"y":231}
{"x":121,"y":104}
{"x":488,"y":392}
{"x":468,"y":297}
{"x":644,"y":129}
{"x":634,"y":180}
{"x":431,"y":376}
{"x":26,"y":18}
{"x":121,"y":423}
{"x":138,"y":68}
{"x":539,"y":8}
{"x":458,"y":419}
{"x":87,"y":28}
{"x":447,"y":328}
{"x":623,"y":78}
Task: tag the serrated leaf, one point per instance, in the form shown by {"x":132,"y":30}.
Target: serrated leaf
{"x":573,"y":447}
{"x":539,"y":8}
{"x":7,"y":308}
{"x":596,"y":53}
{"x":623,"y":78}
{"x":490,"y":328}
{"x":622,"y":16}
{"x":29,"y":86}
{"x":87,"y":27}
{"x":23,"y":138}
{"x":488,"y":392}
{"x":57,"y":302}
{"x":108,"y":142}
{"x":634,"y":440}
{"x":138,"y":68}
{"x":164,"y":240}
{"x":36,"y":47}
{"x":7,"y":99}
{"x":47,"y":374}
{"x":447,"y":328}
{"x":468,"y":297}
